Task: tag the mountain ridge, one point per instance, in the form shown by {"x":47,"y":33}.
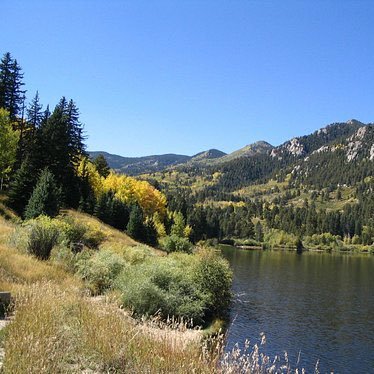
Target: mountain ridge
{"x":297,"y":147}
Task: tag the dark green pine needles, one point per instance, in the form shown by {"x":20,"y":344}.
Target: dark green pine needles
{"x":45,"y":198}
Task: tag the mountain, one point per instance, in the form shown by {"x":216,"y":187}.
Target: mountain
{"x":318,"y":187}
{"x":306,"y":144}
{"x":260,"y":160}
{"x":152,"y":164}
{"x":140,"y":165}
{"x":345,"y":162}
{"x":260,"y":147}
{"x":210,"y":154}
{"x":336,"y":154}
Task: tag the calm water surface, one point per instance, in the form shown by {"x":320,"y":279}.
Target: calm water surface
{"x":318,"y":303}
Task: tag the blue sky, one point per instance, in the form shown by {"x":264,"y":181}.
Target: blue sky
{"x":154,"y":77}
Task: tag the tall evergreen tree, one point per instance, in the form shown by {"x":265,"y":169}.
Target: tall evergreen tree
{"x":5,"y":79}
{"x":34,"y":113}
{"x":8,"y":145}
{"x":61,"y":146}
{"x":135,"y":227}
{"x":102,"y":166}
{"x":21,"y":186}
{"x":46,"y":114}
{"x":45,"y":198}
{"x":11,"y":94}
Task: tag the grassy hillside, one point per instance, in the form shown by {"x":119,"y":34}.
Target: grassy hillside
{"x":57,"y":326}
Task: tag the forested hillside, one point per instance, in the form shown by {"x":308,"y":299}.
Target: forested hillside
{"x":44,"y":167}
{"x":317,"y":189}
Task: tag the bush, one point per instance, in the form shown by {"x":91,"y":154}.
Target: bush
{"x":76,"y":234}
{"x":212,"y":275}
{"x":43,"y":235}
{"x":162,"y":287}
{"x":323,"y":241}
{"x":248,"y":242}
{"x":177,"y":286}
{"x":279,"y":238}
{"x":175,"y":243}
{"x":93,"y":238}
{"x":99,"y":269}
{"x":64,"y":257}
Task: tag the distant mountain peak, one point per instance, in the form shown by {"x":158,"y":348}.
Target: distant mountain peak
{"x":209,"y":154}
{"x":355,"y":122}
{"x":250,"y":150}
{"x":261,"y":143}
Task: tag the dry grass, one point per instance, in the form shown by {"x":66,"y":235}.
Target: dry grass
{"x":115,"y":240}
{"x":5,"y":211}
{"x":18,"y":269}
{"x":6,"y":228}
{"x":60,"y":331}
{"x":111,"y":234}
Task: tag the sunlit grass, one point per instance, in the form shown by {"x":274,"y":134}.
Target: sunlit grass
{"x":19,"y":269}
{"x":60,"y":331}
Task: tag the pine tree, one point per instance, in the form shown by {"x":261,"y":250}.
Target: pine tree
{"x":8,"y":145}
{"x":75,"y":132}
{"x":102,"y":166}
{"x":45,"y":198}
{"x":34,"y":113}
{"x":120,"y":214}
{"x":151,"y":233}
{"x":135,"y":227}
{"x":46,"y":114}
{"x":21,"y":186}
{"x":12,"y":96}
{"x":102,"y":210}
{"x":61,"y":146}
{"x":259,"y":235}
{"x":178,"y":226}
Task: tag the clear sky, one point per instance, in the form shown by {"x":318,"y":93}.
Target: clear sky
{"x":176,"y":76}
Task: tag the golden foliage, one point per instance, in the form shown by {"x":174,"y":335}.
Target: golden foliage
{"x":130,"y":190}
{"x":86,"y":169}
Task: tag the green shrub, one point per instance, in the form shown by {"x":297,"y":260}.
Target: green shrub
{"x":176,"y":286}
{"x":175,"y":243}
{"x":19,"y":238}
{"x":131,"y":254}
{"x":99,"y":269}
{"x":43,"y":236}
{"x":73,"y":231}
{"x":76,"y":234}
{"x":64,"y":257}
{"x":212,"y":275}
{"x":162,"y":287}
{"x":280,"y":238}
{"x":93,"y":238}
{"x":323,"y":241}
{"x":248,"y":242}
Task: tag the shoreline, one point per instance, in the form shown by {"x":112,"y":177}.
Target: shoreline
{"x":294,"y":249}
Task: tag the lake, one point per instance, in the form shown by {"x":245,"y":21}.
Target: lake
{"x":319,"y":304}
